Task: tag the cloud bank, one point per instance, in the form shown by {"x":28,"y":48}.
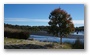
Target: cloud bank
{"x":37,"y":20}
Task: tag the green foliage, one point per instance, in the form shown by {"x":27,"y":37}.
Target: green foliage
{"x":21,"y":32}
{"x":28,"y":28}
{"x":60,"y":23}
{"x":78,"y":44}
{"x":79,"y":28}
{"x":16,"y":33}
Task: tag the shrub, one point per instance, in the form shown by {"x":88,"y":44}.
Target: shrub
{"x":78,"y":44}
{"x":16,"y":33}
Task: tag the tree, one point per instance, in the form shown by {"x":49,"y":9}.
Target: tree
{"x":60,"y":23}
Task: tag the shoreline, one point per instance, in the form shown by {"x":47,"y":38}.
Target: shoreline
{"x":46,"y":34}
{"x":70,"y":36}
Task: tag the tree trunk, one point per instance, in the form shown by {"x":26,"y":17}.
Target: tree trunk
{"x":61,"y":40}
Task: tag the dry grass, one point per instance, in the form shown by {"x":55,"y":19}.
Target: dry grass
{"x":48,"y":45}
{"x":11,"y":41}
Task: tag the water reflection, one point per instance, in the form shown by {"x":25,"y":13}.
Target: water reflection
{"x":53,"y":39}
{"x":78,"y":33}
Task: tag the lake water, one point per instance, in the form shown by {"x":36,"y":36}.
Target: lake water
{"x":79,"y":33}
{"x":55,"y":39}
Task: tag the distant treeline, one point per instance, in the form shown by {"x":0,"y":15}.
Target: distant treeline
{"x":36,"y":28}
{"x":23,"y":32}
{"x":81,"y":28}
{"x":28,"y":28}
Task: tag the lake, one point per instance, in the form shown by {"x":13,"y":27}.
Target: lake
{"x":55,"y":39}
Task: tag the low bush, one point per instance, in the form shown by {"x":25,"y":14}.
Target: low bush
{"x":78,"y":44}
{"x":16,"y":33}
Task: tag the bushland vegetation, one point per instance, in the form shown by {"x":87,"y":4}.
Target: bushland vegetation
{"x":23,"y":32}
{"x":16,"y":33}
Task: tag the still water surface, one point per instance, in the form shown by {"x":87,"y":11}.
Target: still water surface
{"x":55,"y":39}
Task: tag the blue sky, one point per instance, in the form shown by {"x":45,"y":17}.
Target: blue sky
{"x":37,"y":14}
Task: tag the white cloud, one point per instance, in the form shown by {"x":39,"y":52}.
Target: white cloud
{"x":25,"y":20}
{"x":38,"y":20}
{"x":78,"y":21}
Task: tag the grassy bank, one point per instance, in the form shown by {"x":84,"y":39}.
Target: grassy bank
{"x":10,"y":43}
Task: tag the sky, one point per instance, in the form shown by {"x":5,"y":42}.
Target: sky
{"x":37,"y":14}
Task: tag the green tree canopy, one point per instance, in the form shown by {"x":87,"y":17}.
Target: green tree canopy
{"x":60,"y":23}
